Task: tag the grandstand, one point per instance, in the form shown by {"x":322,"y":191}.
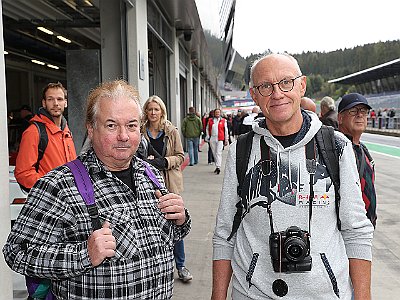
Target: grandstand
{"x":391,"y":100}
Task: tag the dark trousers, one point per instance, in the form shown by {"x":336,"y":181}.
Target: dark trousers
{"x":210,"y":155}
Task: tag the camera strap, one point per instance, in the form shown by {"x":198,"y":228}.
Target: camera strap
{"x":311,"y":166}
{"x":266,"y":170}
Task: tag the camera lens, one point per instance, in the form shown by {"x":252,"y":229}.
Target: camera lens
{"x":295,"y":249}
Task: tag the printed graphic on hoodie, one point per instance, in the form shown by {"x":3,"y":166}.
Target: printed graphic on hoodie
{"x":283,"y":183}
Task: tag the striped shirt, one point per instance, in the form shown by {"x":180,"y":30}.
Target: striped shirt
{"x":49,"y":238}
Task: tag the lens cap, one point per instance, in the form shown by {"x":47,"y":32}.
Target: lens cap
{"x":280,"y":287}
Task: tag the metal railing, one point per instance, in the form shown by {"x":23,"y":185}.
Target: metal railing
{"x":384,"y":123}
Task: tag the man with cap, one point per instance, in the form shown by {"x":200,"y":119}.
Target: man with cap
{"x":353,"y":112}
{"x":25,"y":113}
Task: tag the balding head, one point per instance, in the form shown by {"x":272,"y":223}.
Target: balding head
{"x":308,"y":104}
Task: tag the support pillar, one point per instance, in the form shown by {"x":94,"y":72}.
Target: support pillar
{"x":83,"y":74}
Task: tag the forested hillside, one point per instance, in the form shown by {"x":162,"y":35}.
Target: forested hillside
{"x":321,"y":67}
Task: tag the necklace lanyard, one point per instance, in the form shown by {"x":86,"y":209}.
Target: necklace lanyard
{"x":311,"y":166}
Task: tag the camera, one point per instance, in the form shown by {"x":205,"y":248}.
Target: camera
{"x":290,"y":250}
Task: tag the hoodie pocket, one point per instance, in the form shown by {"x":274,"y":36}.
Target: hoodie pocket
{"x":331,"y":275}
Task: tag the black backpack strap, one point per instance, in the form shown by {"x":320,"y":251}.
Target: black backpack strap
{"x":243,"y":150}
{"x":43,"y":141}
{"x":325,"y":138}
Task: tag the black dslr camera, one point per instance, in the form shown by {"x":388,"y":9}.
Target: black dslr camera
{"x":290,"y":250}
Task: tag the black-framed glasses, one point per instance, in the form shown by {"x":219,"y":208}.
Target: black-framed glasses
{"x":355,"y":110}
{"x":285,"y":85}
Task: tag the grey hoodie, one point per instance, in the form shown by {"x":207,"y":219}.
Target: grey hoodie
{"x":330,"y":248}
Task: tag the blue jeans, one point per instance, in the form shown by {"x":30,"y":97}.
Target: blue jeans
{"x":179,"y":254}
{"x":193,"y":149}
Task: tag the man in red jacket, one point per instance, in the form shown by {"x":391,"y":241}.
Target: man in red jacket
{"x":60,"y":147}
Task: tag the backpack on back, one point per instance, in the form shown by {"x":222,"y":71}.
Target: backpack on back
{"x":43,"y":141}
{"x":325,"y":140}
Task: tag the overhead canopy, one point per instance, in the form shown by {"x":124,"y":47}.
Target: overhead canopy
{"x":385,"y":70}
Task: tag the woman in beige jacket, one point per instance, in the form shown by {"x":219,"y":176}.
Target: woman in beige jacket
{"x":165,"y":152}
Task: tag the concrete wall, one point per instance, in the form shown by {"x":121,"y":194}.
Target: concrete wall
{"x":138,"y":67}
{"x":6,"y":291}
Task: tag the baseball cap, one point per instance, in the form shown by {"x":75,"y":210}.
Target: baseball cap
{"x":25,"y":107}
{"x":350,"y":100}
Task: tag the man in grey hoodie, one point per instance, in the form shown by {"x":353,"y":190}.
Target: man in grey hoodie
{"x":285,"y":247}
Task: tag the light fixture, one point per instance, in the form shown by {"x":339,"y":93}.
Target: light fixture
{"x":37,"y":62}
{"x":60,"y":37}
{"x":52,"y":66}
{"x":5,"y":52}
{"x":45,"y":30}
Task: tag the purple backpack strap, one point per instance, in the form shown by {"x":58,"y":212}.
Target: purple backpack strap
{"x":153,"y":178}
{"x":85,"y":188}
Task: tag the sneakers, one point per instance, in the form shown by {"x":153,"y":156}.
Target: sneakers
{"x":184,"y":274}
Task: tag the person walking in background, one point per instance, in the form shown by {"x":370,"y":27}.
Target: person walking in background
{"x":25,"y":114}
{"x":385,"y":118}
{"x":131,"y":255}
{"x":165,"y":152}
{"x":236,"y":122}
{"x":372,"y":114}
{"x":201,"y":120}
{"x":191,"y":130}
{"x":229,"y":120}
{"x":353,"y":113}
{"x":60,"y":147}
{"x":328,"y":113}
{"x":269,"y":238}
{"x":217,"y":135}
{"x":210,"y":155}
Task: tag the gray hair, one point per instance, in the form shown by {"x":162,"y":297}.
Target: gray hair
{"x":328,"y":102}
{"x":110,"y":90}
{"x":264,"y":56}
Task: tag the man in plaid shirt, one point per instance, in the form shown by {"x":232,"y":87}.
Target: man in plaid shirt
{"x":131,"y":256}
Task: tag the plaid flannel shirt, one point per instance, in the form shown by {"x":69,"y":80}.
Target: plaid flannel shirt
{"x":49,"y":238}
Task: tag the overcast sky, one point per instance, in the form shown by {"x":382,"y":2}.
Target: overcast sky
{"x":311,"y":25}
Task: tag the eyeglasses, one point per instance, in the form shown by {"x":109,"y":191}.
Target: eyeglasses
{"x":285,"y":85}
{"x":354,"y":111}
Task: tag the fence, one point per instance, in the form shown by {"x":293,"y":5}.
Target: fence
{"x":384,"y":123}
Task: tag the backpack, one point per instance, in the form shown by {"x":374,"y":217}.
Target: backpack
{"x":325,"y":140}
{"x":43,"y":141}
{"x":39,"y":288}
